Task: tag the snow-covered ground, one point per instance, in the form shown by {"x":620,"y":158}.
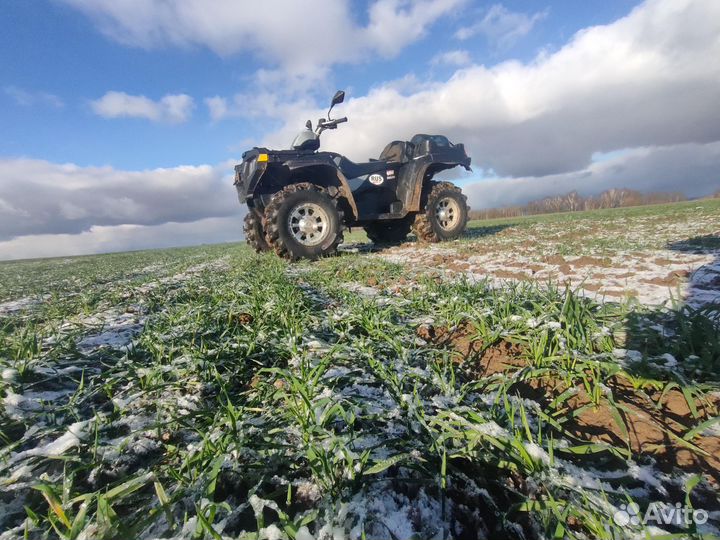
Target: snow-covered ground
{"x":346,"y":398}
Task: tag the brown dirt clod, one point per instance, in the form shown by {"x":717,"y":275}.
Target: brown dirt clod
{"x":555,"y":259}
{"x":244,"y":318}
{"x":604,"y":262}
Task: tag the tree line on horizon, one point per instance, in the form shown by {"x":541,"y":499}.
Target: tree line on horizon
{"x":574,"y":202}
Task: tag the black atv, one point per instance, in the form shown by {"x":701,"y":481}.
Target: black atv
{"x":300,"y":200}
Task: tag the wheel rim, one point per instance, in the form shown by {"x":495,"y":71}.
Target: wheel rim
{"x":447,"y":213}
{"x":309,"y":224}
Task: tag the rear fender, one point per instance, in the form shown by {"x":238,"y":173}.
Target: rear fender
{"x":429,"y":160}
{"x":423,"y":173}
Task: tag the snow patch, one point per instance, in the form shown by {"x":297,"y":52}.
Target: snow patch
{"x":13,"y":307}
{"x":70,"y":439}
{"x":118,"y":331}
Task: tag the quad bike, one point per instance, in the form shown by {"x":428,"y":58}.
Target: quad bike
{"x":300,"y":200}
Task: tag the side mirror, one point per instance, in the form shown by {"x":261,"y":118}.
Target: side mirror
{"x":339,"y":97}
{"x":308,"y":125}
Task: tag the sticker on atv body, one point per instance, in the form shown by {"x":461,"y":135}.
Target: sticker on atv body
{"x":376,"y":179}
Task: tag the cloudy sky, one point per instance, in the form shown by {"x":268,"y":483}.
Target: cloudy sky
{"x":121,"y":120}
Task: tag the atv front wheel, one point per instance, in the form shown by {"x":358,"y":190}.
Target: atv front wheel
{"x":302,"y":222}
{"x":253,"y":229}
{"x":389,"y":232}
{"x":444,"y":216}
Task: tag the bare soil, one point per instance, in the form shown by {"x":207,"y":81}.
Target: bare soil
{"x":655,"y":427}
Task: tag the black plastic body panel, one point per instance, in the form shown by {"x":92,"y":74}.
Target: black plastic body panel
{"x":388,"y":188}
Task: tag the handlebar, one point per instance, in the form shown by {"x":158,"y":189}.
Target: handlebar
{"x":331,"y":124}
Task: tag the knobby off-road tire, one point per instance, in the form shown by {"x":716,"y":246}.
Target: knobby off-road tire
{"x":389,"y":232}
{"x":444,"y":214}
{"x":303,"y":222}
{"x":254,"y":233}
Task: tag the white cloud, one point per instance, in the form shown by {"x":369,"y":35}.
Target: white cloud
{"x":502,"y":27}
{"x":649,"y":79}
{"x":455,"y":58}
{"x":692,"y":169}
{"x":173,"y":108}
{"x":103,"y":239}
{"x":28,"y":98}
{"x":395,"y":24}
{"x":39,"y":198}
{"x":177,"y":108}
{"x":218,"y":107}
{"x":302,"y":38}
{"x":259,"y":104}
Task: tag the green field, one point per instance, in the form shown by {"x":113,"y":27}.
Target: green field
{"x":210,"y":392}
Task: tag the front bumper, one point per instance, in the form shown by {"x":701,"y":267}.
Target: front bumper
{"x":247,"y":175}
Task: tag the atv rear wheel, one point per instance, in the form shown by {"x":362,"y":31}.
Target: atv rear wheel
{"x":302,"y":222}
{"x":445,"y":214}
{"x":389,"y":232}
{"x":253,"y":229}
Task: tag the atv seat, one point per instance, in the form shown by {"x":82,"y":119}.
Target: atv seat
{"x":397,"y":152}
{"x":353,"y":170}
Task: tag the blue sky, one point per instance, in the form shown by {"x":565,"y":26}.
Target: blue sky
{"x":116,"y":100}
{"x":49,"y":47}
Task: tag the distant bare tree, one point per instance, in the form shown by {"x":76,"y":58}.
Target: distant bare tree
{"x":612,"y":198}
{"x":554,"y":204}
{"x":573,"y":202}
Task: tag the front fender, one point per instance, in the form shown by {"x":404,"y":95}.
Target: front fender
{"x":330,"y":175}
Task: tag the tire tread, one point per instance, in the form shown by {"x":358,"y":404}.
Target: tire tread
{"x":422,"y":226}
{"x":271,"y":224}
